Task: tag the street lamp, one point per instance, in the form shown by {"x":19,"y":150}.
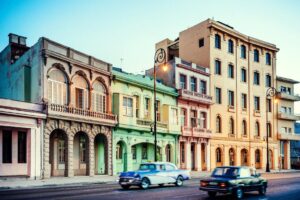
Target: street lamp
{"x":159,"y":58}
{"x":271,"y":92}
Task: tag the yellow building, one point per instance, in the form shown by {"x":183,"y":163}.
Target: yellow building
{"x":286,"y":118}
{"x":242,"y":69}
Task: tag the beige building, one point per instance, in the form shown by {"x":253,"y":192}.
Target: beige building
{"x":286,"y":118}
{"x":242,"y":69}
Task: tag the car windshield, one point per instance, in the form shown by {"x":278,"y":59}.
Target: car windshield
{"x":225,"y":172}
{"x":147,"y":167}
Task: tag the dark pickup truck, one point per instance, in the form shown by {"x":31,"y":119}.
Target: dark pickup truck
{"x":235,"y":181}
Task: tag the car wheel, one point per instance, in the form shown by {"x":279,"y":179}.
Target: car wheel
{"x":125,"y":187}
{"x":145,"y":183}
{"x":262,"y":190}
{"x":211,"y":194}
{"x":239,"y":193}
{"x":179,"y":181}
{"x":160,"y":185}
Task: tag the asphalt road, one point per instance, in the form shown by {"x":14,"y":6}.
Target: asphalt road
{"x":287,"y":188}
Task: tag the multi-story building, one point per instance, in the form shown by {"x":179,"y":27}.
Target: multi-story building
{"x":192,"y":83}
{"x":74,"y":89}
{"x":133,"y":139}
{"x":242,"y":68}
{"x":21,"y":126}
{"x":286,"y":118}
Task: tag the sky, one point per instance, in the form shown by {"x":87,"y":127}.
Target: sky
{"x":124,"y":32}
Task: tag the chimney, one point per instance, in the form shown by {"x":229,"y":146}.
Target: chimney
{"x":18,"y":46}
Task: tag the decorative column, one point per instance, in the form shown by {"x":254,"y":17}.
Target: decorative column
{"x":69,"y":164}
{"x":188,"y":155}
{"x":287,"y":155}
{"x":198,"y":157}
{"x":91,"y":171}
{"x":207,"y":156}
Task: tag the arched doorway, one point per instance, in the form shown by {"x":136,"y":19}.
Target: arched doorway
{"x":257,"y":159}
{"x":244,"y":157}
{"x":80,"y":154}
{"x":231,"y":157}
{"x":219,"y":159}
{"x":101,"y":148}
{"x":121,"y":157}
{"x":58,"y":153}
{"x":168,"y":153}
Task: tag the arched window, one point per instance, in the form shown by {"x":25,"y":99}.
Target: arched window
{"x":269,"y":129}
{"x":218,"y":124}
{"x":231,"y":126}
{"x":244,"y":157}
{"x":119,"y":151}
{"x":256,"y":55}
{"x":81,"y":92}
{"x":244,"y":128}
{"x":99,"y":97}
{"x":243,"y":51}
{"x":257,"y":156}
{"x":217,"y":41}
{"x":268,"y":59}
{"x":168,"y":153}
{"x":218,"y":155}
{"x":257,"y":129}
{"x":57,"y":87}
{"x":230,"y":46}
{"x":231,"y":157}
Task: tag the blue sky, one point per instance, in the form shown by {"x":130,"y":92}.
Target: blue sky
{"x":111,"y":30}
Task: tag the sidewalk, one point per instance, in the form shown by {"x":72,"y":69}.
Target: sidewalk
{"x":17,"y":183}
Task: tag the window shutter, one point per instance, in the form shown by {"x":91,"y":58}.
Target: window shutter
{"x":50,"y":91}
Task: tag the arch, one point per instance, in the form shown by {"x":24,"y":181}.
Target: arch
{"x":218,"y":124}
{"x":58,"y":66}
{"x":121,"y":156}
{"x":257,"y":129}
{"x":256,"y":55}
{"x":219,"y":157}
{"x":101,"y":154}
{"x":81,"y":153}
{"x":257,"y":159}
{"x":102,"y":81}
{"x":81,"y":88}
{"x":58,"y":86}
{"x":244,"y":157}
{"x":231,"y":154}
{"x":99,"y":97}
{"x":58,"y":153}
{"x":244,"y":127}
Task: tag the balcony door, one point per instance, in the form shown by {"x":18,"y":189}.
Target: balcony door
{"x":57,"y":87}
{"x":99,"y":97}
{"x":81,"y":92}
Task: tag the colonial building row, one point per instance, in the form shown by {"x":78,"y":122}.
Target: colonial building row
{"x":65,"y":113}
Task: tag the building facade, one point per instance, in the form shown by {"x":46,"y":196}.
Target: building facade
{"x":133,"y":139}
{"x":194,"y":100}
{"x":21,"y":128}
{"x":74,"y":89}
{"x":242,"y":69}
{"x":286,"y":120}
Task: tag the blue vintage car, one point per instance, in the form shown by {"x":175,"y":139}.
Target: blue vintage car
{"x":154,"y":173}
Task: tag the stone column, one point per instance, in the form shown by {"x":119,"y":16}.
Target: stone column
{"x":198,"y":159}
{"x":226,"y":156}
{"x":47,"y":165}
{"x":238,"y":156}
{"x":207,"y":156}
{"x":188,"y":155}
{"x":129,"y":158}
{"x":287,"y":155}
{"x":91,"y":171}
{"x":69,"y":164}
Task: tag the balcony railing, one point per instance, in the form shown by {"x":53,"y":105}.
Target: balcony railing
{"x":195,"y":96}
{"x":286,"y":96}
{"x":286,"y":116}
{"x":201,"y":132}
{"x":147,"y":122}
{"x":288,"y":136}
{"x":80,"y":114}
{"x":186,"y":131}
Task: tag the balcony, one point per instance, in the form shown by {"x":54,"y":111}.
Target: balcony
{"x":286,"y":116}
{"x":80,"y":115}
{"x":286,"y":96}
{"x":186,"y":131}
{"x":195,"y":96}
{"x":147,"y":122}
{"x":201,"y":132}
{"x":288,"y":136}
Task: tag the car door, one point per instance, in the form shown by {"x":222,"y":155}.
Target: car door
{"x":255,"y":181}
{"x":245,"y":179}
{"x":171,"y":173}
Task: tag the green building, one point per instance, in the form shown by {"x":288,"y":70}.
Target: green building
{"x":133,"y":141}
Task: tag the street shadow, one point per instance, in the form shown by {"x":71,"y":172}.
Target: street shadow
{"x":152,"y":187}
{"x":248,"y":195}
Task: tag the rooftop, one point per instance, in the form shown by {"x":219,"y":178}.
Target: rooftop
{"x":287,"y":80}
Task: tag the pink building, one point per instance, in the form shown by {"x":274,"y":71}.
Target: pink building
{"x":20,"y":138}
{"x":192,"y":83}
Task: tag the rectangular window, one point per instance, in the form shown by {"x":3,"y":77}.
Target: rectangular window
{"x":243,"y":75}
{"x":137,"y":106}
{"x":61,"y":151}
{"x":158,"y":111}
{"x":244,"y":101}
{"x":218,"y":96}
{"x":201,"y":42}
{"x":230,"y":71}
{"x":144,"y":151}
{"x":283,"y":109}
{"x":183,"y":116}
{"x":283,"y":89}
{"x":182,"y":81}
{"x":203,"y":87}
{"x":182,"y":153}
{"x":256,"y":103}
{"x":243,"y":51}
{"x":268,"y":81}
{"x":127,"y":106}
{"x":82,"y":148}
{"x":269,"y":105}
{"x":193,"y":118}
{"x":174,"y":116}
{"x":193,"y":84}
{"x":256,"y":78}
{"x":289,"y":91}
{"x":218,"y":67}
{"x":147,"y":108}
{"x":6,"y":146}
{"x":203,"y":120}
{"x":22,"y":147}
{"x":79,"y":98}
{"x":230,"y":98}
